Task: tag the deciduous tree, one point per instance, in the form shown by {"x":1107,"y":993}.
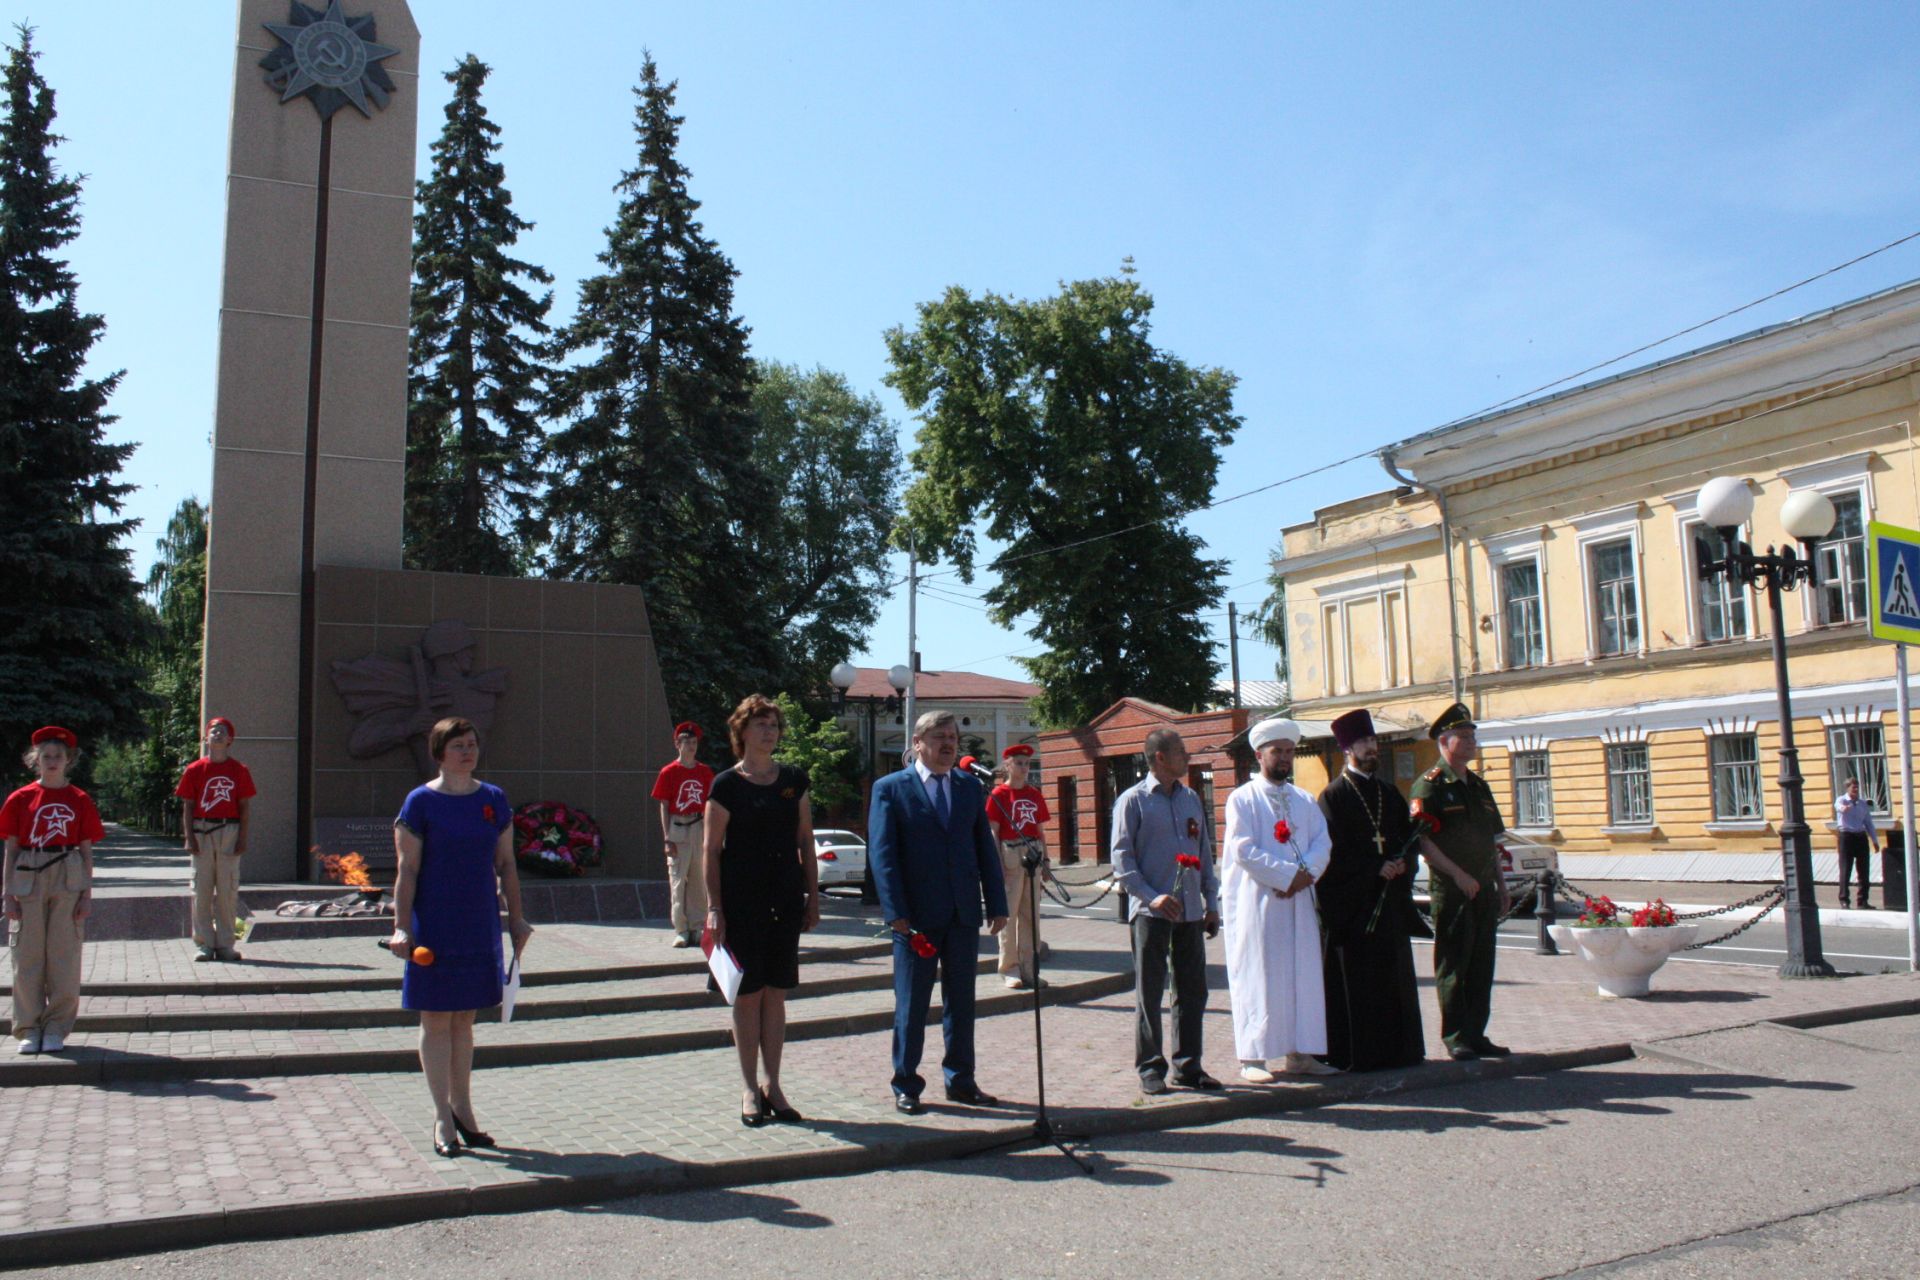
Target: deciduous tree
{"x":1056,"y":428}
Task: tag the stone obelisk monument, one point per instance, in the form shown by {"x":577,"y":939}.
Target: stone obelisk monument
{"x":310,"y":416}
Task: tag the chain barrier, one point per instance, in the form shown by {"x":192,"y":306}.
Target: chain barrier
{"x":1773,"y":896}
{"x":1779,"y":896}
{"x":1060,"y":890}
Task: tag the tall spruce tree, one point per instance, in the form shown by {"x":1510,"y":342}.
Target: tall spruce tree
{"x":652,"y":477}
{"x":71,"y":627}
{"x":476,"y":382}
{"x":1056,"y":427}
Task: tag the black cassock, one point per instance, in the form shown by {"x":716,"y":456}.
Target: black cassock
{"x":1373,"y":998}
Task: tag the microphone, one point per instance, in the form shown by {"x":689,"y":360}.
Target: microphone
{"x":974,"y":767}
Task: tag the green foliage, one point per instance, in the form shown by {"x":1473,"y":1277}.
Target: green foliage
{"x":475,"y":378}
{"x":824,"y":749}
{"x":70,"y":618}
{"x":833,"y":461}
{"x":135,"y":778}
{"x":652,"y":478}
{"x":1053,"y":422}
{"x":1268,"y":623}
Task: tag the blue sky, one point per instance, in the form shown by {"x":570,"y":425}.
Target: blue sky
{"x":1380,"y":217}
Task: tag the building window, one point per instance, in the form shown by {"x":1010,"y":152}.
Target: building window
{"x":1616,"y":601}
{"x":1722,"y":604}
{"x":1841,"y":558}
{"x":1525,"y":629}
{"x":1532,"y":790}
{"x":1736,"y":777}
{"x":1629,"y":785}
{"x":1859,"y":751}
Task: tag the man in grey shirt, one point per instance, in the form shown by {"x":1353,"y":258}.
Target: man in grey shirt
{"x":1172,"y":910}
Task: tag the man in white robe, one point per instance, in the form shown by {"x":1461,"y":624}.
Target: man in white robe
{"x":1276,"y":847}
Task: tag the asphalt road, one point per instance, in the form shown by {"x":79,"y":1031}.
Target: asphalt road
{"x":1752,"y":1153}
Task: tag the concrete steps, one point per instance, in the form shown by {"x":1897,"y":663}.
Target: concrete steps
{"x":263,"y":1044}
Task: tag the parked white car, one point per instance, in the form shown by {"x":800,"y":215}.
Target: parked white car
{"x":1521,"y":862}
{"x":842,"y":856}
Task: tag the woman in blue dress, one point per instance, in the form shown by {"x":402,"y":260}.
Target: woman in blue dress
{"x":455,"y":840}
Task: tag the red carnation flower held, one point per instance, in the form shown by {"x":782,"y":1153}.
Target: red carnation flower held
{"x":923,"y":946}
{"x":1282,"y":832}
{"x":1188,"y":860}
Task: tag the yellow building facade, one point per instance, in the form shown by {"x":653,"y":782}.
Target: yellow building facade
{"x":1541,"y":564}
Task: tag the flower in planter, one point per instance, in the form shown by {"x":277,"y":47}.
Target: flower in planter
{"x":1655,"y":915}
{"x":1599,"y":913}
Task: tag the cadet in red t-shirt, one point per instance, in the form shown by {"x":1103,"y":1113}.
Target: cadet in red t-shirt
{"x":49,"y":827}
{"x":216,"y":797}
{"x":1018,"y":812}
{"x":682,"y":790}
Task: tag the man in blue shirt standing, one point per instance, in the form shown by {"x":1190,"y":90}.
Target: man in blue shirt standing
{"x":1173,"y":910}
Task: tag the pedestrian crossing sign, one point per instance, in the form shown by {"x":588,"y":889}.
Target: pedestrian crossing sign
{"x":1893,"y":583}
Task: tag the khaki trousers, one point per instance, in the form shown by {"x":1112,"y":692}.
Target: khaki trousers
{"x":216,"y":886}
{"x":46,"y":949}
{"x":1018,"y":939}
{"x":686,"y":875}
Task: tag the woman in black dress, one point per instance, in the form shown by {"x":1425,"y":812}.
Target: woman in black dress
{"x":763,"y":891}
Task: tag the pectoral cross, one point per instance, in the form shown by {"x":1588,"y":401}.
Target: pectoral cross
{"x":1380,"y":843}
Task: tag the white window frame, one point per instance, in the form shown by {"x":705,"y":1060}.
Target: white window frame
{"x":1880,"y":805}
{"x":1595,"y":530}
{"x":1835,"y":477}
{"x":1686,"y":519}
{"x":1514,"y":755}
{"x":1715,"y":767}
{"x":1615,"y":820}
{"x":1513,"y":549}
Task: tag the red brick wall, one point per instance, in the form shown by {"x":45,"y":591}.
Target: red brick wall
{"x":1084,"y":753}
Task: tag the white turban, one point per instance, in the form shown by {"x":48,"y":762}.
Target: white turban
{"x":1273,"y":730}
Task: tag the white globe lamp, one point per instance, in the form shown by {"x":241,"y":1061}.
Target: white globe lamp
{"x":1807,"y":516}
{"x":1725,"y":502}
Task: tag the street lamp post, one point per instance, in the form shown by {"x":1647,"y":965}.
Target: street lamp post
{"x":1725,"y":504}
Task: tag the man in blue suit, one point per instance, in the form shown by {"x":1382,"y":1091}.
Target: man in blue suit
{"x":933,"y":859}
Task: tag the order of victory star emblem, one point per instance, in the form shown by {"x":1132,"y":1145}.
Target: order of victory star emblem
{"x":330,"y":58}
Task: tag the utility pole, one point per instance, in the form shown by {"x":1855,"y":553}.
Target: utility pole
{"x":1233,"y":648}
{"x":913,"y":632}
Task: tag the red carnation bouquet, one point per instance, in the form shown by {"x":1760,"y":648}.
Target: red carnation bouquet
{"x":1282,"y":832}
{"x":555,"y":839}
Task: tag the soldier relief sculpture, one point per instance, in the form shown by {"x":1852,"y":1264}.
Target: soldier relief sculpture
{"x":396,"y":701}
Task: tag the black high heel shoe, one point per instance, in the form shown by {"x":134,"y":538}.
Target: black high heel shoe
{"x":758,"y":1116}
{"x":445,"y":1150}
{"x":472,"y":1137}
{"x":785,"y":1115}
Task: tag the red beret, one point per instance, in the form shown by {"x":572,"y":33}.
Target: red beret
{"x":1017,"y":749}
{"x":231,"y":732}
{"x":54,"y":733}
{"x":688,"y":726}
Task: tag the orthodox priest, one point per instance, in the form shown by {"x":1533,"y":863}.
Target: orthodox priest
{"x":1276,"y":848}
{"x":1367,"y":912}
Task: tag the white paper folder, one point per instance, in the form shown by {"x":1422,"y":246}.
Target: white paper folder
{"x":725,"y":969}
{"x":509,"y":989}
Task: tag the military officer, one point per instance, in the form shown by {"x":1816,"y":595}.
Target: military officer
{"x":1469,"y":894}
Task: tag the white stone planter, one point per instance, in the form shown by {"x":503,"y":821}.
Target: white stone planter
{"x":1623,"y":961}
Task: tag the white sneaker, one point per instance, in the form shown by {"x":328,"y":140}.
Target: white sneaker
{"x":52,"y":1042}
{"x":1300,"y":1064}
{"x":1015,"y":982}
{"x":29,"y":1043}
{"x":1254,"y":1073}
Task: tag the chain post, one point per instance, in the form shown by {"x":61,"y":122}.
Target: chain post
{"x":1544,"y":915}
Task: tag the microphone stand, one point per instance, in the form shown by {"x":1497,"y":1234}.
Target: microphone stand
{"x":1044,"y":1132}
